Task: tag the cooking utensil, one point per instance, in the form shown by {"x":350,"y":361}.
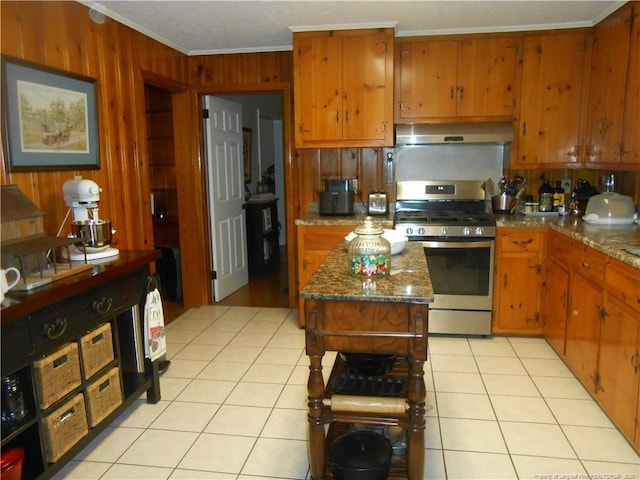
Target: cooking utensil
{"x":360,"y":456}
{"x":367,"y":364}
{"x":92,"y":233}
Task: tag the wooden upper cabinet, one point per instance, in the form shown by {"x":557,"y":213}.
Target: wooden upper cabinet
{"x":343,"y":88}
{"x":457,"y":78}
{"x":554,"y":69}
{"x":631,"y":122}
{"x":611,"y":41}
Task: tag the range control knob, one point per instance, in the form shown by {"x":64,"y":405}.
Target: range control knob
{"x":479,"y":231}
{"x":409,"y":231}
{"x":444,"y":231}
{"x":466,"y":231}
{"x":421,"y":231}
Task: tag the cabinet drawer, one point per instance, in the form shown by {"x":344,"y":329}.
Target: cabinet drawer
{"x":521,"y":242}
{"x":623,"y":283}
{"x":560,"y":249}
{"x":17,"y":348}
{"x":77,"y":315}
{"x":589,"y":263}
{"x":325,"y":238}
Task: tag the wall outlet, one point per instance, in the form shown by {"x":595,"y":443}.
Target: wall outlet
{"x":566,"y":184}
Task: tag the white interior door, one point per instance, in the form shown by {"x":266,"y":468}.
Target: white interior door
{"x":225,"y":188}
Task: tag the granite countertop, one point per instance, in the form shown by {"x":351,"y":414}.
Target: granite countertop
{"x":355,"y":219}
{"x":614,"y":241}
{"x":409,"y":281}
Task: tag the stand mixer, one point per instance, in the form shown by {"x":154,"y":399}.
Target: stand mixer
{"x":82,"y":197}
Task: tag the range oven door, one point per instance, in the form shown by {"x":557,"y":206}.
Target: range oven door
{"x":461,"y":272}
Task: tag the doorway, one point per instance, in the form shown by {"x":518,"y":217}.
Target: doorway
{"x":164,"y":196}
{"x":262,"y":113}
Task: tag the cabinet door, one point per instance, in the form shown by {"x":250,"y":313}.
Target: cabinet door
{"x":318,"y":88}
{"x":630,"y":130}
{"x":551,"y":98}
{"x":367,"y":99}
{"x":618,"y":380}
{"x":583,"y":329}
{"x":518,"y":287}
{"x":607,"y":92}
{"x":427,"y":79}
{"x":487,"y":76}
{"x":314,"y":244}
{"x":555,"y":306}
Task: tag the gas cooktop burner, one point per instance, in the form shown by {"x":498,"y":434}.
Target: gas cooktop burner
{"x":442,"y":209}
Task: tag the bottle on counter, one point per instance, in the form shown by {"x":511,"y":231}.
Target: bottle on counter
{"x":13,"y":408}
{"x":369,"y":254}
{"x":545,"y":193}
{"x":558,"y":197}
{"x":528,"y":204}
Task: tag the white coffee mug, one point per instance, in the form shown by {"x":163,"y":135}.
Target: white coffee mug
{"x":5,"y":284}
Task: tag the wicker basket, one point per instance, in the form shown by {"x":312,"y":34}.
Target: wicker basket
{"x":57,"y":374}
{"x":104,"y":395}
{"x":96,"y":349}
{"x":63,"y":428}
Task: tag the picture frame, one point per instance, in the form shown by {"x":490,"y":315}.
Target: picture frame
{"x":49,"y":118}
{"x":246,"y":151}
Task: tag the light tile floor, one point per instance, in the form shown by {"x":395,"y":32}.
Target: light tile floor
{"x":234,"y":398}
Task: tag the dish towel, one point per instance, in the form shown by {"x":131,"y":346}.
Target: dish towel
{"x":155,"y":345}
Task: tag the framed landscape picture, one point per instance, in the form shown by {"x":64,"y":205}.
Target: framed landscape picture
{"x":50,"y":118}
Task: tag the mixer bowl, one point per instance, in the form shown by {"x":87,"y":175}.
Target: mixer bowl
{"x":92,"y":233}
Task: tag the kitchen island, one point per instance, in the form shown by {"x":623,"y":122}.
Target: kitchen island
{"x":353,"y":314}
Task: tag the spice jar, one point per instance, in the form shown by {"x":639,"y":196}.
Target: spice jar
{"x":369,"y":254}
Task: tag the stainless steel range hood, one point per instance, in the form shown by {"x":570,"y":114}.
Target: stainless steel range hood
{"x":454,"y":133}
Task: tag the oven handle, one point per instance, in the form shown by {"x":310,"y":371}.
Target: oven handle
{"x":440,"y":244}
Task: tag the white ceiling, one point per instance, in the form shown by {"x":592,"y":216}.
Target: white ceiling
{"x":215,"y":26}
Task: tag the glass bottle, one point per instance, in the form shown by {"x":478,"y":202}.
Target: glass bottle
{"x":13,"y":410}
{"x":546,"y":197}
{"x":558,"y":196}
{"x":369,"y":254}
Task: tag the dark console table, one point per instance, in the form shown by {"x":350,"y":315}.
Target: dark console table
{"x":44,"y":321}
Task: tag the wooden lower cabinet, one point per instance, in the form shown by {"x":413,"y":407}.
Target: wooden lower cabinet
{"x":618,"y":386}
{"x":518,"y":281}
{"x":556,"y":290}
{"x":583,"y":329}
{"x":314,"y":244}
{"x":600,"y":329}
{"x":585,"y":313}
{"x":555,"y":306}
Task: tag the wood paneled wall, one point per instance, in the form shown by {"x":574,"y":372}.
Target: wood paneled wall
{"x":368,"y":165}
{"x":61,"y":35}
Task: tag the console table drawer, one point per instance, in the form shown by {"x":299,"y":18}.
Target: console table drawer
{"x":79,"y":314}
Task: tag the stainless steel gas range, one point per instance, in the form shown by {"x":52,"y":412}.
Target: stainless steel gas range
{"x":450,"y":220}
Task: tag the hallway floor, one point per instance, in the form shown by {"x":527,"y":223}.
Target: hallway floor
{"x":234,"y":407}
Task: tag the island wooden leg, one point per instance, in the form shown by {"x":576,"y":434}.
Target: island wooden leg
{"x":417,"y":423}
{"x":316,"y":436}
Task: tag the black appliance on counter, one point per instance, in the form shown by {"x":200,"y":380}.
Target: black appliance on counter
{"x":338,"y":197}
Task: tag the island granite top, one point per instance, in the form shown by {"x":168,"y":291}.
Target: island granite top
{"x":409,"y":281}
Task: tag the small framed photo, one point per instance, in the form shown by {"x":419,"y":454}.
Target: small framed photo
{"x":246,"y":151}
{"x":50,"y":118}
